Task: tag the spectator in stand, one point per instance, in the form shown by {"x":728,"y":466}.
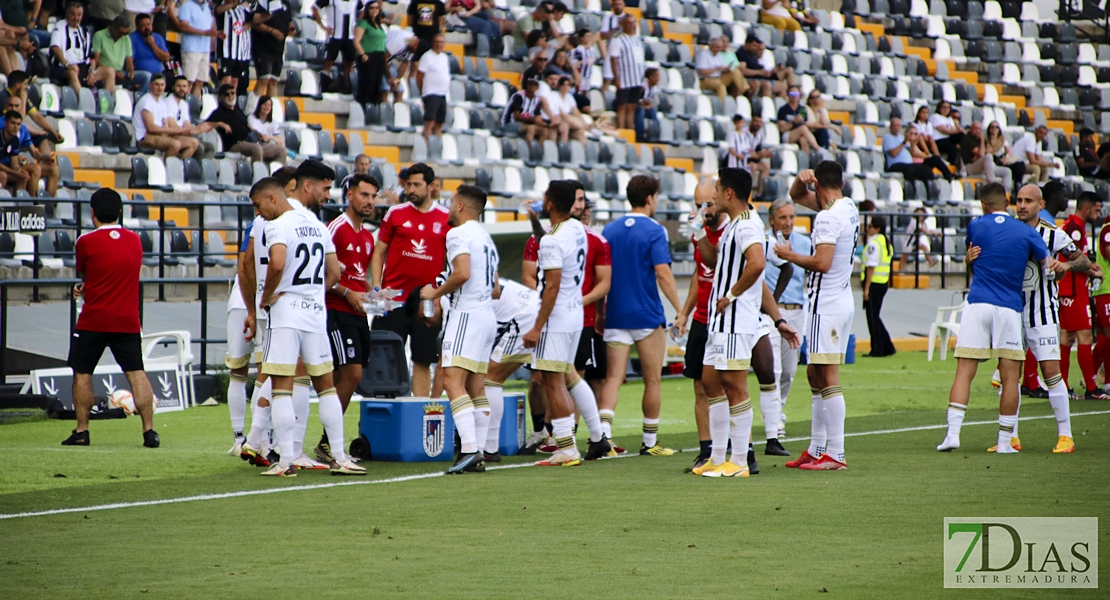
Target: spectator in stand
{"x":792,"y":118}
{"x":133,"y":8}
{"x":745,"y":150}
{"x":896,"y":152}
{"x":781,"y":15}
{"x":626,"y":56}
{"x":715,"y":76}
{"x":1031,"y":150}
{"x":948,"y":133}
{"x":918,"y":241}
{"x":977,"y":161}
{"x":41,"y":151}
{"x":560,"y":63}
{"x":269,"y":26}
{"x":728,"y":55}
{"x":551,"y":29}
{"x":999,"y":149}
{"x":262,"y":123}
{"x":764,"y":82}
{"x":925,"y":131}
{"x":178,"y":110}
{"x":99,"y":15}
{"x":362,"y":167}
{"x":557,"y":128}
{"x":340,"y":27}
{"x":610,"y":28}
{"x":400,"y":47}
{"x":235,"y":131}
{"x":920,"y":152}
{"x":234,"y":48}
{"x":70,"y":50}
{"x":528,"y":23}
{"x":583,"y":56}
{"x":148,"y":49}
{"x":111,"y":49}
{"x":17,"y":37}
{"x":18,"y":82}
{"x":817,"y":118}
{"x":197,"y":26}
{"x":370,"y":44}
{"x":563,"y":96}
{"x":151,"y":128}
{"x":18,"y":156}
{"x":646,"y":108}
{"x":1087,"y":158}
{"x":426,"y":20}
{"x":477,"y":21}
{"x":433,"y":77}
{"x":526,"y":107}
{"x":538,"y":65}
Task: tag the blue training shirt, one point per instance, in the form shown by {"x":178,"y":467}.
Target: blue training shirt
{"x":246,"y":237}
{"x":1007,"y":245}
{"x":638,"y":244}
{"x":795,"y":290}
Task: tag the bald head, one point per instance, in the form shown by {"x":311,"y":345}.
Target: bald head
{"x":1031,"y":191}
{"x":1029,"y":204}
{"x":705,"y":196}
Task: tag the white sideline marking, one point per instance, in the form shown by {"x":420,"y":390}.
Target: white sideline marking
{"x":318,"y":486}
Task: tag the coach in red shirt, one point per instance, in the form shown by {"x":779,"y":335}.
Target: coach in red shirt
{"x":108,"y":260}
{"x":348,"y":328}
{"x":410,"y":253}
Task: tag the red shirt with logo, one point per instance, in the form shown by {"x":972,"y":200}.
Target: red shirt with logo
{"x":597,"y":254}
{"x":532,"y":250}
{"x":352,"y":249}
{"x":111,"y":259}
{"x":1074,"y":285}
{"x":705,"y":272}
{"x":417,"y":246}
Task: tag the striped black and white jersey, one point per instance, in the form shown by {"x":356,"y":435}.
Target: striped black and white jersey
{"x":583,"y":58}
{"x":1041,"y":306}
{"x":341,"y":16}
{"x":830,"y":293}
{"x":611,"y":22}
{"x":234,"y":21}
{"x":520,"y":102}
{"x":75,"y":43}
{"x":742,"y":315}
{"x":628,"y":50}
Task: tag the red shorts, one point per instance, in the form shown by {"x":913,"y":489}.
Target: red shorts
{"x":1102,"y":312}
{"x":1075,"y":313}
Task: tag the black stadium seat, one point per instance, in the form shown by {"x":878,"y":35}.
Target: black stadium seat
{"x":139,"y":174}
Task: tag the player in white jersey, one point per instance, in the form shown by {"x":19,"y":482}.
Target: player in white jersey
{"x":830,"y":306}
{"x":301,"y":267}
{"x":238,"y":356}
{"x":1040,"y":316}
{"x":554,"y":336}
{"x":470,"y":326}
{"x":515,"y":309}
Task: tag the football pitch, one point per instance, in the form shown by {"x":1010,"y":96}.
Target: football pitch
{"x":95,"y":522}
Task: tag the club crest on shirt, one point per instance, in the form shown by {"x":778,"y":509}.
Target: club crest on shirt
{"x":629,"y":222}
{"x":114,"y":235}
{"x":1000,"y":219}
{"x":433,"y":426}
{"x":437,"y":227}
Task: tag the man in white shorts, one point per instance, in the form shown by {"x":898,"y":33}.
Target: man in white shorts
{"x":991,"y":323}
{"x":515,"y":310}
{"x":301,"y":267}
{"x":470,"y":327}
{"x":830,"y":305}
{"x":238,"y":355}
{"x":554,"y":336}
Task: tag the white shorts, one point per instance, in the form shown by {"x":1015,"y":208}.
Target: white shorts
{"x":468,"y":340}
{"x":261,"y":334}
{"x":555,"y":351}
{"x":239,"y":351}
{"x":285,"y":345}
{"x":730,"y":351}
{"x":827,"y":338}
{"x":195,"y":65}
{"x":509,"y":346}
{"x":1042,"y":341}
{"x":988,"y":331}
{"x":626,"y":337}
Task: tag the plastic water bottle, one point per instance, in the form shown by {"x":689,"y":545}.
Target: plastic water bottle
{"x":781,"y":239}
{"x":381,"y":302}
{"x":678,"y":337}
{"x":429,"y":307}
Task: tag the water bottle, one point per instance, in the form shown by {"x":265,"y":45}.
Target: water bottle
{"x":781,"y":239}
{"x":678,"y":337}
{"x":429,"y":308}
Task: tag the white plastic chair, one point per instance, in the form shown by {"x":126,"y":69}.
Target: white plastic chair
{"x":946,"y":325}
{"x":181,"y":358}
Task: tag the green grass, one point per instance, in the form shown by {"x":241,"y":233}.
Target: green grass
{"x":628,"y":528}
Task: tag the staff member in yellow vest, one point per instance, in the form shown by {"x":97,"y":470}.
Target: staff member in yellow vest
{"x":876,"y":278}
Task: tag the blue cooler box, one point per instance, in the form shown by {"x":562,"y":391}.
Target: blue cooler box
{"x":408,"y":429}
{"x":512,"y":436}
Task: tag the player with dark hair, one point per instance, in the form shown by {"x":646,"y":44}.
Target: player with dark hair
{"x":1075,"y":297}
{"x":109,"y":260}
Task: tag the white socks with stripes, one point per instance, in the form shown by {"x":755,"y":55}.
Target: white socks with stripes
{"x":835,"y":411}
{"x":771,"y":409}
{"x":331,"y":415}
{"x":719,"y":429}
{"x":1058,"y":400}
{"x":584,"y":399}
{"x":496,"y":396}
{"x":817,"y":426}
{"x":237,"y":403}
{"x":462,"y":411}
{"x":740,"y":418}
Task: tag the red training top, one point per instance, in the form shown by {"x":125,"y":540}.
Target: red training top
{"x":110,"y":258}
{"x":597,"y":254}
{"x":352,"y":250}
{"x":531,"y":250}
{"x":417,"y":246}
{"x":1074,"y":285}
{"x":705,"y":274}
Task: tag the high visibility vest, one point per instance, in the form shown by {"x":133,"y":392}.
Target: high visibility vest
{"x":1104,"y":264}
{"x":881,"y":274}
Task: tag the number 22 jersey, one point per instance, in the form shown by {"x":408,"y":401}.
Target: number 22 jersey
{"x":307,"y":244}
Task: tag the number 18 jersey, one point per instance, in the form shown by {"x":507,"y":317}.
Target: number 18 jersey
{"x":307,"y":244}
{"x":564,"y":248}
{"x":477,"y":293}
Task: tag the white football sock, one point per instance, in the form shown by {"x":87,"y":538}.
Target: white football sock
{"x":261,"y":423}
{"x":740,"y":420}
{"x":651,"y":432}
{"x":719,"y":429}
{"x":331,"y":415}
{"x":237,"y":403}
{"x":462,"y":410}
{"x":1005,"y":431}
{"x":817,"y":426}
{"x":563,"y":431}
{"x":481,"y":421}
{"x":587,"y":407}
{"x":606,"y":417}
{"x":834,"y":420}
{"x":1058,"y":400}
{"x":771,"y":409}
{"x":301,"y":406}
{"x":496,"y":396}
{"x":1014,"y":434}
{"x":284,"y":419}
